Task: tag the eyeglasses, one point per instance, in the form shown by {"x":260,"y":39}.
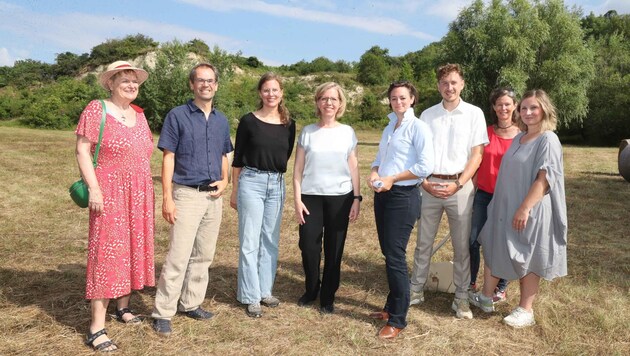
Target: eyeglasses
{"x":326,"y":99}
{"x":205,"y":81}
{"x":273,"y":91}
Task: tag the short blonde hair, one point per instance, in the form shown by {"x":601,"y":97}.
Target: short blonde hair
{"x":319,"y":91}
{"x":549,"y":119}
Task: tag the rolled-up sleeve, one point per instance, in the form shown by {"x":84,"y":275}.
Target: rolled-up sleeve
{"x":423,"y":144}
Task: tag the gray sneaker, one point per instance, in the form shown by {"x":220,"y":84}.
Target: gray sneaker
{"x":416,"y":297}
{"x":270,"y":301}
{"x":254,"y":310}
{"x":162,"y":327}
{"x":461,"y":308}
{"x":520,"y":318}
{"x":481,"y":301}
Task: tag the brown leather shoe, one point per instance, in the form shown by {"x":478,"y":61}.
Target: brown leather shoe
{"x":389,"y":332}
{"x":382,"y":315}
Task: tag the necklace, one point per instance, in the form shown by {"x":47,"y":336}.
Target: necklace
{"x":122,"y":113}
{"x":507,"y":127}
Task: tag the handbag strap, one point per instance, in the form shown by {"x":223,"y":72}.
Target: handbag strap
{"x":100,"y":134}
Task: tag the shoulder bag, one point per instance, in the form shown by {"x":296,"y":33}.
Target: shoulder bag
{"x":79,"y":190}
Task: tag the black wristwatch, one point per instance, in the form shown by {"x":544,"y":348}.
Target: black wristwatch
{"x":360,"y":197}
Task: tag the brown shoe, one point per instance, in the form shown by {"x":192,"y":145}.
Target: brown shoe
{"x":382,"y":315}
{"x":389,"y":332}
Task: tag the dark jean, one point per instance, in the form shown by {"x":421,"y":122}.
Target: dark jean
{"x":396,"y":212}
{"x":479,"y":217}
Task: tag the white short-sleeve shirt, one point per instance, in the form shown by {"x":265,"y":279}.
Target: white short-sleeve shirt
{"x":326,"y":152}
{"x":455,"y":133}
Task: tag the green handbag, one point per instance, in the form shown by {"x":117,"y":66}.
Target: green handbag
{"x":79,"y":190}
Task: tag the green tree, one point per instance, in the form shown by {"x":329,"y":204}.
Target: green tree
{"x":609,"y":103}
{"x":167,"y":86}
{"x":69,"y":64}
{"x":524,"y":44}
{"x":199,"y":47}
{"x":372,"y":109}
{"x":127,"y":48}
{"x":29,"y":73}
{"x":253,"y":62}
{"x":372,"y":69}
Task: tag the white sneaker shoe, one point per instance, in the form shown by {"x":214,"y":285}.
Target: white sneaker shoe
{"x":520,"y":318}
{"x":461,"y":308}
{"x":481,"y":301}
{"x":416,"y":297}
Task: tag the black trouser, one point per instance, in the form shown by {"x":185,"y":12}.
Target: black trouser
{"x":396,"y":212}
{"x":328,"y":218}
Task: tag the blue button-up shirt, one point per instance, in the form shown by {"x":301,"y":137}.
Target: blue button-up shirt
{"x":409,"y":147}
{"x":198,"y":144}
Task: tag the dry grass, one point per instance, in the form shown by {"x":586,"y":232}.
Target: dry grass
{"x":42,"y":264}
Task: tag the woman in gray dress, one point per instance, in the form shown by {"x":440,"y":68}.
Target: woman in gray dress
{"x":525,"y":237}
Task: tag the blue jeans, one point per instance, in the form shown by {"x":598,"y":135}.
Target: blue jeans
{"x":479,"y":217}
{"x":396,"y":212}
{"x":260,"y":200}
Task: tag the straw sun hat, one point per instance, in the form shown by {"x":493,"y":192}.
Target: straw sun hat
{"x":118,"y":66}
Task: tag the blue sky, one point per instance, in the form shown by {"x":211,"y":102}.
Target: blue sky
{"x":275,"y":31}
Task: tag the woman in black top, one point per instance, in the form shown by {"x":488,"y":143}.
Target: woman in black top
{"x":264,"y":141}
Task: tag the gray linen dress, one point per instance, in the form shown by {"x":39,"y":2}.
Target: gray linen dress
{"x":542,"y":247}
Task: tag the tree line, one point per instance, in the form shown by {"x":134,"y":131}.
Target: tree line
{"x":582,"y":61}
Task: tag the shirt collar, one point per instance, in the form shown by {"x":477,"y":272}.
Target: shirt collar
{"x":458,"y":109}
{"x":409,"y":114}
{"x":193,"y":107}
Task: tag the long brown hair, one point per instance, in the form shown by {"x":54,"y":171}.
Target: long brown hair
{"x":284,"y":112}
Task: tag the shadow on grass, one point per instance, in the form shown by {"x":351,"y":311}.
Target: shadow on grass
{"x":59,"y":293}
{"x":604,"y":174}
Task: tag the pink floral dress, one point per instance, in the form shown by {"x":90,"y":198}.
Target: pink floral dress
{"x":120,"y":243}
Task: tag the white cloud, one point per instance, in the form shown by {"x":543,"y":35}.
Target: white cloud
{"x":80,"y":32}
{"x":375,"y":24}
{"x":621,"y":6}
{"x":447,"y":9}
{"x":5,"y":58}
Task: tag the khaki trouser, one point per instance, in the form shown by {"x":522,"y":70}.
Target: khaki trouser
{"x":193,"y":239}
{"x":458,"y":209}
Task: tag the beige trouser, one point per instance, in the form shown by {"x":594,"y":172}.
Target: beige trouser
{"x":458,"y":209}
{"x":193,"y":239}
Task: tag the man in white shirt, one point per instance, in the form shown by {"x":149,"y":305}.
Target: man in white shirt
{"x":459,"y":135}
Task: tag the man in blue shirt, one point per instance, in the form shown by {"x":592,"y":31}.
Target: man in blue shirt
{"x":195,"y":141}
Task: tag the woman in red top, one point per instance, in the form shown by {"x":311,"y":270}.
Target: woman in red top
{"x":500,"y":134}
{"x":120,"y":242}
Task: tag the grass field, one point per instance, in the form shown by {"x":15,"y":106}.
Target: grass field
{"x":42,"y":265}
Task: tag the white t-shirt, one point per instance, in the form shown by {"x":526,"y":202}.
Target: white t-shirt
{"x":326,"y":152}
{"x":455,"y":133}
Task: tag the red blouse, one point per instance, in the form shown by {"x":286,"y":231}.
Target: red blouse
{"x":492,"y":155}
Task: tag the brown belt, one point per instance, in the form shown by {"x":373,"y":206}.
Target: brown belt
{"x":446,"y":176}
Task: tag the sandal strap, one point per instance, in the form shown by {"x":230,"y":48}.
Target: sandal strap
{"x":104,"y":345}
{"x":123,"y":311}
{"x":92,"y":337}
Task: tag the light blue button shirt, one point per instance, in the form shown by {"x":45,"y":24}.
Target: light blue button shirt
{"x":409,"y":147}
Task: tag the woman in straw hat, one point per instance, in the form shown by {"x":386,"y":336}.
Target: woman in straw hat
{"x":120,"y":243}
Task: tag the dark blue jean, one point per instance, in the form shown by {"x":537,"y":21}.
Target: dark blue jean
{"x":396,"y":212}
{"x":479,"y":217}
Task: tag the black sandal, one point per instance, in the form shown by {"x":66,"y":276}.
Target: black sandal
{"x":123,"y":311}
{"x":103,"y":345}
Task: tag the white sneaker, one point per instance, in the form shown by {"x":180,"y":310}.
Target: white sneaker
{"x":520,"y":318}
{"x":416,"y":297}
{"x":481,"y":301}
{"x":461,"y":308}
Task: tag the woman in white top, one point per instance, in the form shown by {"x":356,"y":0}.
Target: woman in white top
{"x":327,"y":194}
